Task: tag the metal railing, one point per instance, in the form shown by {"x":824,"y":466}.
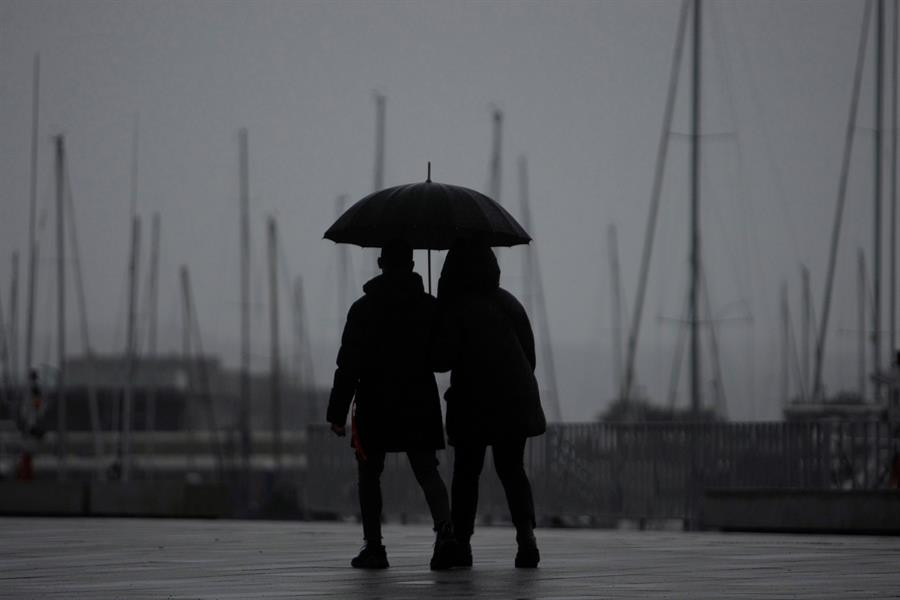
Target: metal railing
{"x":601,"y":471}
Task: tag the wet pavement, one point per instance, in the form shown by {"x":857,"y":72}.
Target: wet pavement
{"x":146,"y":558}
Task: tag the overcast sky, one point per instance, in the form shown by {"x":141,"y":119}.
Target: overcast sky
{"x":582,"y":86}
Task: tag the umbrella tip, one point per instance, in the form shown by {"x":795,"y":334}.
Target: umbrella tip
{"x":429,"y":173}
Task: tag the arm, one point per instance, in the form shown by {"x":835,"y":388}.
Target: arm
{"x":346,"y":376}
{"x":526,"y":338}
{"x":522,"y":326}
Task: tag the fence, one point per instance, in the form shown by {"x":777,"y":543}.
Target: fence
{"x":602,"y":471}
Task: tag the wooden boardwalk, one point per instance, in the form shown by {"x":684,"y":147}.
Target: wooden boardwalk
{"x":144,"y":558}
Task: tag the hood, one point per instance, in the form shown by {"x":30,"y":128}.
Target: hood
{"x":395,"y":286}
{"x":469,"y":267}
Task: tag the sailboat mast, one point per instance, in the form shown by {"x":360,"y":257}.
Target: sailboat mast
{"x":496,"y":150}
{"x":616,"y":281}
{"x":378,"y":178}
{"x":528,"y":258}
{"x":13,"y":329}
{"x":785,"y":347}
{"x":876,"y":241}
{"x":153,"y":308}
{"x":4,"y":355}
{"x":275,"y":378}
{"x":244,"y":409}
{"x":343,"y":257}
{"x":892,"y":306}
{"x":694,"y":302}
{"x":861,"y":320}
{"x":378,"y":175}
{"x":130,"y":348}
{"x":806,"y":328}
{"x":61,"y":306}
{"x":32,"y":210}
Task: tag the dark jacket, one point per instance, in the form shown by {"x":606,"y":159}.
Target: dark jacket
{"x":485,"y":339}
{"x":383,"y":362}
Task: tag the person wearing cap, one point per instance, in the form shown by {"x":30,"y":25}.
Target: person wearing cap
{"x":385,"y":381}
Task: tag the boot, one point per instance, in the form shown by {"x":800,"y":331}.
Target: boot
{"x":528,"y":556}
{"x":463,"y":555}
{"x":444,"y":548}
{"x":372,"y":556}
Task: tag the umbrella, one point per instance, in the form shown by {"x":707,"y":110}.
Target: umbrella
{"x":426,"y":215}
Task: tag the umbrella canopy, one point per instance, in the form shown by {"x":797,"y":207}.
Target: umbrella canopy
{"x":428,"y":215}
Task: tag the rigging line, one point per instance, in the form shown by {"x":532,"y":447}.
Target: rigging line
{"x":4,"y":349}
{"x":794,"y":354}
{"x":151,"y":298}
{"x":650,"y":231}
{"x":76,"y":255}
{"x":841,"y":200}
{"x":286,"y":279}
{"x":678,"y":358}
{"x":118,"y":332}
{"x":725,"y":63}
{"x":306,"y":366}
{"x":546,"y":339}
{"x":169,"y":323}
{"x":199,"y":359}
{"x":722,"y":136}
{"x":721,"y":401}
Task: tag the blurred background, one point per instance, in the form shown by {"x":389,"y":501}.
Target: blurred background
{"x":199,"y":150}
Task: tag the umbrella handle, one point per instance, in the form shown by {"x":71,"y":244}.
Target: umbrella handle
{"x":429,"y":267}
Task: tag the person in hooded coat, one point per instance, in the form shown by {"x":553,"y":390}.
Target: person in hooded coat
{"x":485,"y":339}
{"x":383,"y":366}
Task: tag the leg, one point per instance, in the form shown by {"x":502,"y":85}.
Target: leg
{"x":370,"y":495}
{"x":510,"y":467}
{"x":425,"y":467}
{"x":467,"y":464}
{"x":509,"y":464}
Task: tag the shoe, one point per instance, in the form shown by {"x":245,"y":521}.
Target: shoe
{"x":444,"y":548}
{"x":463,"y":555}
{"x":372,"y":556}
{"x":528,"y":555}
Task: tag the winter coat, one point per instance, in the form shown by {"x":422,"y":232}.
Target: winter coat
{"x":485,"y":339}
{"x":383,"y":362}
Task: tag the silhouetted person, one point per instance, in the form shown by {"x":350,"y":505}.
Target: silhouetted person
{"x":485,"y":339}
{"x":383,"y":362}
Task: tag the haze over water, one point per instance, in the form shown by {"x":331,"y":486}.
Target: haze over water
{"x":582,"y":87}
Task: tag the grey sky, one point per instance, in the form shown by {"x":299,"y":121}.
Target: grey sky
{"x":582,"y":87}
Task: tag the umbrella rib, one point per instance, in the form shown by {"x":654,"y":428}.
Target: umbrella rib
{"x":481,"y":207}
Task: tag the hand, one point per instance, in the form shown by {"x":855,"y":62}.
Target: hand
{"x":339,"y":430}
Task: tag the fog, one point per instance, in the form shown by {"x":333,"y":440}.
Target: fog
{"x":582,"y":87}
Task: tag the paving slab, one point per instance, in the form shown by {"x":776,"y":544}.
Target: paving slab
{"x":166,"y":558}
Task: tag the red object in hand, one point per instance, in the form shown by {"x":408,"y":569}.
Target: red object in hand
{"x":25,"y":468}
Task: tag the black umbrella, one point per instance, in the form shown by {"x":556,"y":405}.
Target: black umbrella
{"x":426,"y":215}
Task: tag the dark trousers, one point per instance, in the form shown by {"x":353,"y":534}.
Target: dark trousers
{"x":424,"y":465}
{"x":508,"y":462}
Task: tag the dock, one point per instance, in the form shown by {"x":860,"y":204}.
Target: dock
{"x":180,"y":559}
